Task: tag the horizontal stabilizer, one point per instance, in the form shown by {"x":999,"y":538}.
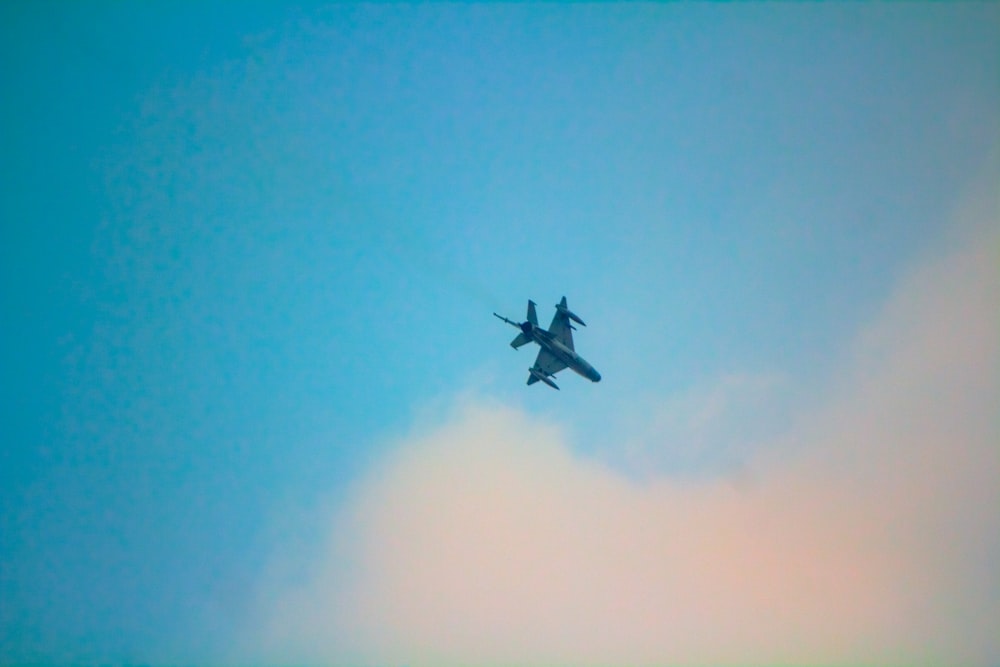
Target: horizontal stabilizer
{"x":519,"y":341}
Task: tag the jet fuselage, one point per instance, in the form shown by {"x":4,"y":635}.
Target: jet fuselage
{"x":573,"y":361}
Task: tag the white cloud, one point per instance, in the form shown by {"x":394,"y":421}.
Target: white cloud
{"x":870,"y":533}
{"x":707,"y":430}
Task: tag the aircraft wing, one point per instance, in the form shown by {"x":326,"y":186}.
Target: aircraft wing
{"x":562,"y":330}
{"x":548,"y":363}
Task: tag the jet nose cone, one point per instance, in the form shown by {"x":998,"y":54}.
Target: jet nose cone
{"x":596,"y":377}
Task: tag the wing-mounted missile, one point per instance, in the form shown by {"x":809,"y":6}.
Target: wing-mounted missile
{"x":563,"y":310}
{"x":538,"y":374}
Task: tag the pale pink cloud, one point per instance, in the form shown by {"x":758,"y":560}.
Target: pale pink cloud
{"x":868,"y":534}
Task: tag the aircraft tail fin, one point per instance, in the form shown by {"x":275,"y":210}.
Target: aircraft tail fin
{"x":519,"y":341}
{"x":532,"y":316}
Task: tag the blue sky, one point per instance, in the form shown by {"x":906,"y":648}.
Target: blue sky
{"x":246,"y":249}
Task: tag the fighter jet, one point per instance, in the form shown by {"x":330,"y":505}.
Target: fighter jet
{"x":556,"y":345}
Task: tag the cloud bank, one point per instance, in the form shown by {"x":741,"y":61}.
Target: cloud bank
{"x":870,"y":533}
